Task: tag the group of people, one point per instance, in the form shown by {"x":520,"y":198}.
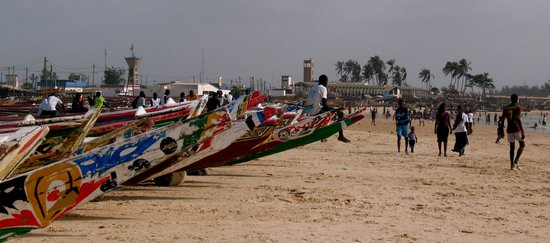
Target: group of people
{"x":462,"y":127}
{"x":141,"y":99}
{"x":215,"y":100}
{"x":52,"y":104}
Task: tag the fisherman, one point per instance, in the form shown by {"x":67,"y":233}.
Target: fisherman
{"x":51,"y":107}
{"x":213,"y":102}
{"x":167,"y":100}
{"x":139,"y":101}
{"x":317,"y":98}
{"x":99,"y":101}
{"x":78,"y":103}
{"x":182,"y":97}
{"x":192,"y":96}
{"x":155,"y":101}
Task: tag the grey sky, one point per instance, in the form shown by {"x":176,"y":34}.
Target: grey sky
{"x":266,"y":39}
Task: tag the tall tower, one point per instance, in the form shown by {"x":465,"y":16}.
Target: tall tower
{"x":133,"y":71}
{"x":308,"y":70}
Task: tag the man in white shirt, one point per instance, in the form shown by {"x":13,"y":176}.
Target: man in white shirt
{"x":50,"y":109}
{"x":317,"y":99}
{"x":155,"y":101}
{"x":461,"y":131}
{"x":43,"y":106}
{"x":229,"y":97}
{"x":470,"y":122}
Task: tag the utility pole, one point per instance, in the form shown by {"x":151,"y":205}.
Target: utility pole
{"x":202,"y":68}
{"x":45,"y":74}
{"x":93,"y":74}
{"x":51,"y":77}
{"x":26,"y":74}
{"x":105,"y":59}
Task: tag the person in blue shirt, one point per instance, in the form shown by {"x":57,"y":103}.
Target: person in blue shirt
{"x":402,"y":122}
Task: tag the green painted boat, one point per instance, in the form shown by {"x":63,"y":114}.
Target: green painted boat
{"x":318,"y":134}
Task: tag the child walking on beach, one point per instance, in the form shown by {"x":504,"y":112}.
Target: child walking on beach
{"x":412,"y":139}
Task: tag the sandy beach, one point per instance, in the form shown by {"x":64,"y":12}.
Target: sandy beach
{"x":335,"y":192}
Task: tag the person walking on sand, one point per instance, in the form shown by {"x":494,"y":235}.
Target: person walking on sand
{"x":442,"y":128}
{"x":412,"y":139}
{"x":515,"y":130}
{"x":461,"y":131}
{"x":317,"y":99}
{"x":402,"y":122}
{"x":373,"y":112}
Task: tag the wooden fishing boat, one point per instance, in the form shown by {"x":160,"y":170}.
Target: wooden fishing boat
{"x":104,"y":118}
{"x":242,"y":146}
{"x":16,"y":147}
{"x":220,"y":140}
{"x":298,"y":135}
{"x":37,"y":198}
{"x":71,"y":143}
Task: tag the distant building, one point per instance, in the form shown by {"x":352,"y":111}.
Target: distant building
{"x":12,"y":80}
{"x":308,"y":70}
{"x":60,"y":86}
{"x":177,"y":87}
{"x":287,"y":88}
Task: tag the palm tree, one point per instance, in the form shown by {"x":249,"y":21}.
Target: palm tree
{"x":368,"y":73}
{"x":397,"y":78}
{"x":356,"y":72}
{"x":484,"y":82}
{"x":470,"y":82}
{"x":379,"y":68}
{"x":349,"y":66}
{"x":391,"y":64}
{"x":426,"y":76}
{"x":463,"y":70}
{"x":451,"y":68}
{"x":340,"y":69}
{"x":404,"y":74}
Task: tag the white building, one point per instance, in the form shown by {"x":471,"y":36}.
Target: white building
{"x":176,"y":88}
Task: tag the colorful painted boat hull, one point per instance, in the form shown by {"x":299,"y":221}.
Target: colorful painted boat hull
{"x":37,"y":198}
{"x":18,"y":146}
{"x":316,"y":135}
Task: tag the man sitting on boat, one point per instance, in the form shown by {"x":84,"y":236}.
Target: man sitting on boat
{"x":139,"y":101}
{"x":99,"y":101}
{"x":50,"y":107}
{"x":78,"y":103}
{"x":192,"y":95}
{"x":167,"y":100}
{"x":155,"y":101}
{"x":317,"y":98}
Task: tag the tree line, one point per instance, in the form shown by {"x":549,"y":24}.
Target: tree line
{"x":525,"y":90}
{"x":379,"y":72}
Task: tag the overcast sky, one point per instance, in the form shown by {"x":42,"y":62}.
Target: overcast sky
{"x":266,"y":39}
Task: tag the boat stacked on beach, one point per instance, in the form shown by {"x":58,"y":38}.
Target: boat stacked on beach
{"x":46,"y":173}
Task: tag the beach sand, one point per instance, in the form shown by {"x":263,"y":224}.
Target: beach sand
{"x":335,"y":192}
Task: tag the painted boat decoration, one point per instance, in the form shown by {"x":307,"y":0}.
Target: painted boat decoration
{"x":16,"y":147}
{"x":285,"y":139}
{"x":70,"y":144}
{"x":39,"y":197}
{"x":211,"y":146}
{"x":104,"y":118}
{"x":242,"y":146}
